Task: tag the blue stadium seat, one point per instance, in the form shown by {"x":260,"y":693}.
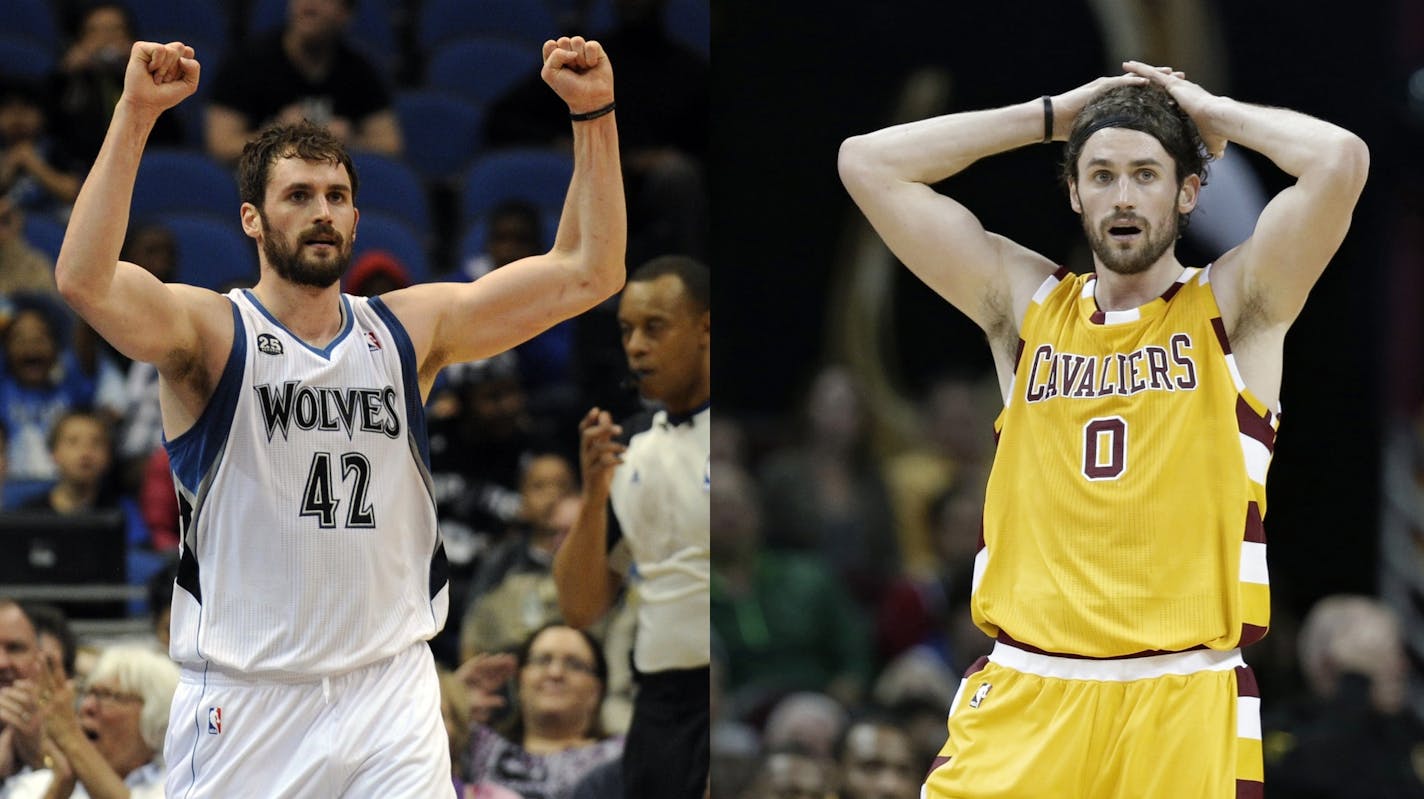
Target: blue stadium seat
{"x":199,"y":23}
{"x":442,"y":132}
{"x":690,"y":23}
{"x":33,"y":20}
{"x":480,"y":69}
{"x":388,"y":186}
{"x":378,"y":231}
{"x":540,"y":177}
{"x":24,"y":58}
{"x":212,"y":250}
{"x":371,"y":30}
{"x":522,"y":21}
{"x":44,"y":233}
{"x":180,"y":181}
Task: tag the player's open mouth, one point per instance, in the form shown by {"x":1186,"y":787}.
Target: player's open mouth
{"x":1124,"y":233}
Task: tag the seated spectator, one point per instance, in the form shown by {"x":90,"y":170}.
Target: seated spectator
{"x":113,"y":744}
{"x":876,"y":760}
{"x":806,"y":721}
{"x":785,"y":622}
{"x":375,"y":273}
{"x":513,"y":593}
{"x":789,"y":772}
{"x":57,"y":644}
{"x":553,"y":738}
{"x":39,"y":381}
{"x":23,"y":268}
{"x":307,"y":70}
{"x":82,"y":449}
{"x":34,"y":172}
{"x":20,"y":736}
{"x":1352,"y":736}
{"x":90,"y":79}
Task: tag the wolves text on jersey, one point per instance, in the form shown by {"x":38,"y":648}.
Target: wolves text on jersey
{"x":371,"y":410}
{"x":1150,"y":368}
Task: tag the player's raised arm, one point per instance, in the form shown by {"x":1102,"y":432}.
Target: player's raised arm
{"x":1302,"y":227}
{"x":455,"y":323}
{"x":142,"y":317}
{"x":889,"y":174}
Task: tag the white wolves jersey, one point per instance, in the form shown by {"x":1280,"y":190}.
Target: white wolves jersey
{"x":309,"y":537}
{"x":660,"y":498}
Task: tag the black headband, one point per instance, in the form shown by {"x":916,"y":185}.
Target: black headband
{"x":1116,"y":121}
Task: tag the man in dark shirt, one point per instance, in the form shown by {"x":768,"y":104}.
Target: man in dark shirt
{"x":306,"y":70}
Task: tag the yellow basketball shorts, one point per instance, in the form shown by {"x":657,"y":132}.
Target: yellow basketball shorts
{"x":1185,"y":725}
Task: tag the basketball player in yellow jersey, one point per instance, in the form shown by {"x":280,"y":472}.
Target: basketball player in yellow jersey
{"x":1123,"y":560}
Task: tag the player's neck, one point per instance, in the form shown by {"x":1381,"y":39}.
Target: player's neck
{"x":312,"y":314}
{"x":1117,"y":292}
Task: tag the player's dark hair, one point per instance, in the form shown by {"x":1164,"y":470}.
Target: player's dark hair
{"x":305,"y":140}
{"x":696,"y":280}
{"x":1150,"y":110}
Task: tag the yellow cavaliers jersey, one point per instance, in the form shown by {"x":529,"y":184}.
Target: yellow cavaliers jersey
{"x":1123,"y":512}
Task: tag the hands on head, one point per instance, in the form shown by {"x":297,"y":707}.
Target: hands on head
{"x":1193,"y":99}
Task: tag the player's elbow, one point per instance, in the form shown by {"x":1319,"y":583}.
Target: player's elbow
{"x":1346,"y":159}
{"x":853,"y":162}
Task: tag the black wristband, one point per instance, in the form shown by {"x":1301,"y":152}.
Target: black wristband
{"x":1047,"y":119}
{"x":594,"y":114}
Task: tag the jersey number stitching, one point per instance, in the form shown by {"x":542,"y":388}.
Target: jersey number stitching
{"x":1105,"y":448}
{"x":318,"y":499}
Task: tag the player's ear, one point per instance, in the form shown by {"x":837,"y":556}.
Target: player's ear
{"x":1188,"y":194}
{"x":1073,"y":196}
{"x":251,"y":220}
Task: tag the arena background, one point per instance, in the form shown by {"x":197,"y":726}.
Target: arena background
{"x":793,"y":79}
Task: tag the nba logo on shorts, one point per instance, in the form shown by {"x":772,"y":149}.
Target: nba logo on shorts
{"x":214,"y":720}
{"x":979,"y":695}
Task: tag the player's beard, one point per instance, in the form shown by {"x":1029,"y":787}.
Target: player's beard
{"x":292,"y":263}
{"x":1137,"y":257}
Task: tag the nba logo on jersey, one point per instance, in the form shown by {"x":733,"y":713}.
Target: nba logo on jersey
{"x":372,"y":343}
{"x":979,"y":695}
{"x":214,"y":720}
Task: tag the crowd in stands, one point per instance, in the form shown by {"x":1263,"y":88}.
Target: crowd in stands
{"x":463,"y":161}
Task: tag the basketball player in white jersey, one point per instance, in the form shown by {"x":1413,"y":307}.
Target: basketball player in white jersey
{"x":311,"y":574}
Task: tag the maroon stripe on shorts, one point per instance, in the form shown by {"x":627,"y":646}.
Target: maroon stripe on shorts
{"x":939,"y":760}
{"x":1254,"y":426}
{"x":1255,"y":528}
{"x":1250,"y":634}
{"x":1246,"y":682}
{"x":1250,"y":789}
{"x":976,"y":667}
{"x":1005,"y":638}
{"x":1220,"y":328}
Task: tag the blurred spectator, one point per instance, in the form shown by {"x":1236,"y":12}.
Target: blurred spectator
{"x":877,"y":761}
{"x":603,"y":782}
{"x":35,"y":173}
{"x":19,"y":666}
{"x":785,"y":622}
{"x":23,"y":268}
{"x":81,"y":447}
{"x":553,"y":738}
{"x":90,"y":79}
{"x":545,"y":361}
{"x":455,"y":709}
{"x":39,"y":381}
{"x":513,"y":592}
{"x":113,"y":745}
{"x":160,"y":601}
{"x":663,"y":124}
{"x":806,"y":721}
{"x":1351,"y":737}
{"x":307,"y":70}
{"x":56,"y":641}
{"x":957,"y":414}
{"x":158,"y":502}
{"x":375,"y":273}
{"x":4,"y":459}
{"x":826,"y":495}
{"x":735,"y":745}
{"x":791,"y":773}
